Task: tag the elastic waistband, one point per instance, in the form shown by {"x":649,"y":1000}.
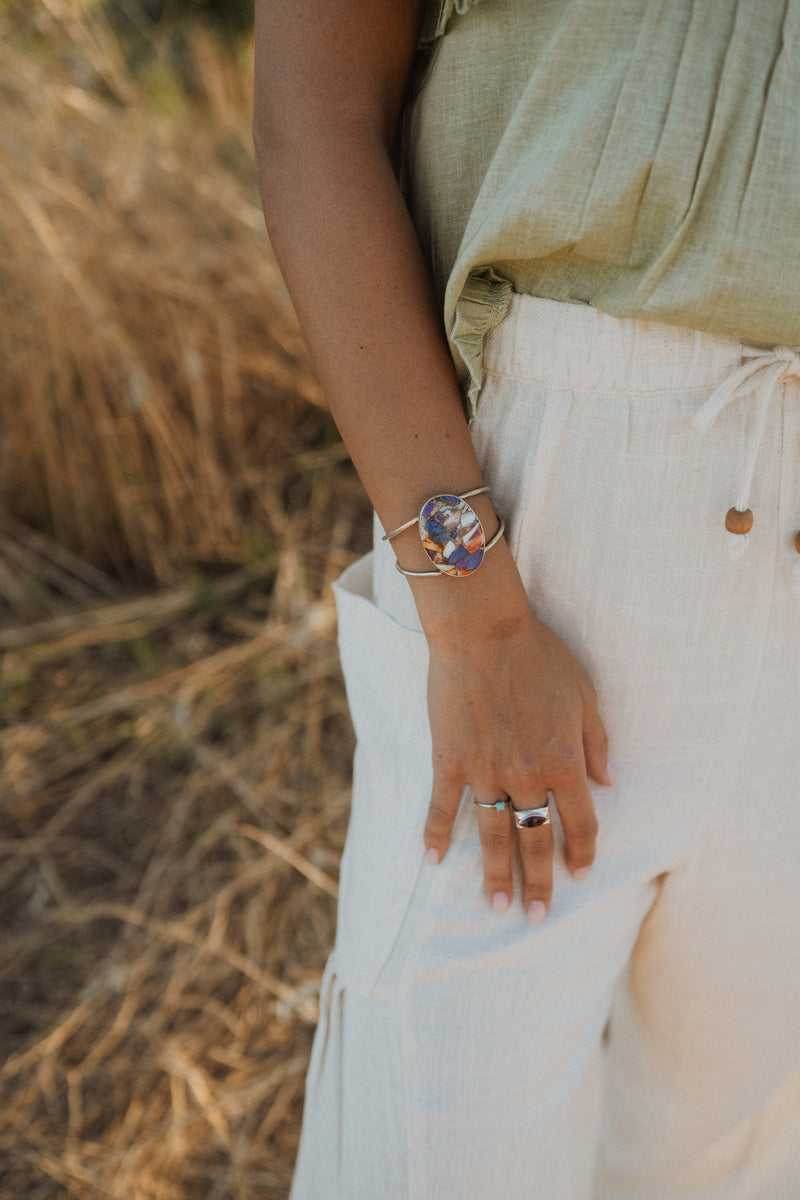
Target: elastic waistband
{"x":577,"y":346}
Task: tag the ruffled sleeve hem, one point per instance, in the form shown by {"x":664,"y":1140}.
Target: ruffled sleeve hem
{"x":438,"y":14}
{"x":483,"y":303}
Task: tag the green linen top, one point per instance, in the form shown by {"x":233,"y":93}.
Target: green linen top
{"x":641,"y":156}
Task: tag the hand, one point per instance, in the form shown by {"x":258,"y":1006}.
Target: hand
{"x":513,"y":714}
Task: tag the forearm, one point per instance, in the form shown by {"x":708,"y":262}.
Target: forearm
{"x":353,"y":265}
{"x":511,"y":713}
{"x":346,"y":245}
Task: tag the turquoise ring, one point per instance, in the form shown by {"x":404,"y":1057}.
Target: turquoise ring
{"x":498,"y":805}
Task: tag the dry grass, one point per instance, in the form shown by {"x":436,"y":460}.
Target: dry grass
{"x":168,"y":856}
{"x":175,"y":759}
{"x":151,"y":369}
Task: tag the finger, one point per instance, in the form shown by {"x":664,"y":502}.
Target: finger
{"x":494,"y":829}
{"x":579,"y":822}
{"x":445,"y":799}
{"x":595,"y":745}
{"x":536,"y":852}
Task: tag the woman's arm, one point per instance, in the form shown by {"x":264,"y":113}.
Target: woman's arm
{"x":330,"y":80}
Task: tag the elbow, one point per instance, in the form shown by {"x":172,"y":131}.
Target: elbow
{"x":265,"y":141}
{"x":267,"y":134}
{"x":274,"y":155}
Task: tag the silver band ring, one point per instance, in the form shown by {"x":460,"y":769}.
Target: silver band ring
{"x":532,"y":818}
{"x":498,"y":805}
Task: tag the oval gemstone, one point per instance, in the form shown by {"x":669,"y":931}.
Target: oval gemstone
{"x":532,"y":820}
{"x":452,"y":535}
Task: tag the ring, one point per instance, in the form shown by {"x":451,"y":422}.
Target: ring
{"x":532,"y":818}
{"x":499,"y":805}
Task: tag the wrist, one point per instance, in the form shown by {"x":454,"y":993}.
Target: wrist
{"x":492,"y":600}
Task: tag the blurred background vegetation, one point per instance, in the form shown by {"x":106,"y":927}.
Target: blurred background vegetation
{"x":174,"y":502}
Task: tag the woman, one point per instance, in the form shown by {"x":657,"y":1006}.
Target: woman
{"x":589,"y":984}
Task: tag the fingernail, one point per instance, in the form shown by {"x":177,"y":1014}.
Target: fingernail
{"x":611,"y":772}
{"x":582,"y":873}
{"x":500,"y":903}
{"x":537,"y":912}
{"x":432,"y":856}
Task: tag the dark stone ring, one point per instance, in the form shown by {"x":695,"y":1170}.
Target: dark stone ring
{"x":532,"y":818}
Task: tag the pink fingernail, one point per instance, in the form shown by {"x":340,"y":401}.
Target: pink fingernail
{"x":432,"y":856}
{"x":537,"y":912}
{"x":500,"y":903}
{"x":611,"y":772}
{"x":582,"y":873}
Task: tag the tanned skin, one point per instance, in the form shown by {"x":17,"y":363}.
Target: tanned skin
{"x":516,"y":715}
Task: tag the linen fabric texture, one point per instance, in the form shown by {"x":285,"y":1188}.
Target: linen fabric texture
{"x":642,"y":157}
{"x":644,"y":1042}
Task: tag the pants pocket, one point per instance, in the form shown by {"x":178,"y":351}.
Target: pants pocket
{"x":385,"y":667}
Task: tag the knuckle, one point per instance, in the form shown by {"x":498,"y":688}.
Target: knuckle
{"x":448,"y":770}
{"x":524,"y":769}
{"x":566,"y":762}
{"x":537,"y":850}
{"x":584,"y":831}
{"x":497,"y":841}
{"x":439,"y":814}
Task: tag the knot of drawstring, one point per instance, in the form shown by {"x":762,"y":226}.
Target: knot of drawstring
{"x":762,"y":370}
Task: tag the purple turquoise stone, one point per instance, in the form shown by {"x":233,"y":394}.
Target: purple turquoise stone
{"x":452,"y":535}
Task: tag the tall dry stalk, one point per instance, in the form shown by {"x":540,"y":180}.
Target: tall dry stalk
{"x":153,"y":379}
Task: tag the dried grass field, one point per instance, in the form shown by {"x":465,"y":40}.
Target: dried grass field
{"x":174,"y":738}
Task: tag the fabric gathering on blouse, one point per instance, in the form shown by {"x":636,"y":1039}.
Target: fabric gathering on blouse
{"x":639,"y":156}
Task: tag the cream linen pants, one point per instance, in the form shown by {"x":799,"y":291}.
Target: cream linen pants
{"x":644,"y":1042}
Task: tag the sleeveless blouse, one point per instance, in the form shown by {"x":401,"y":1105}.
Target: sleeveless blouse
{"x":640,"y":156}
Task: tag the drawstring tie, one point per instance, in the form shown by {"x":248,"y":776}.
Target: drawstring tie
{"x":764,"y":368}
